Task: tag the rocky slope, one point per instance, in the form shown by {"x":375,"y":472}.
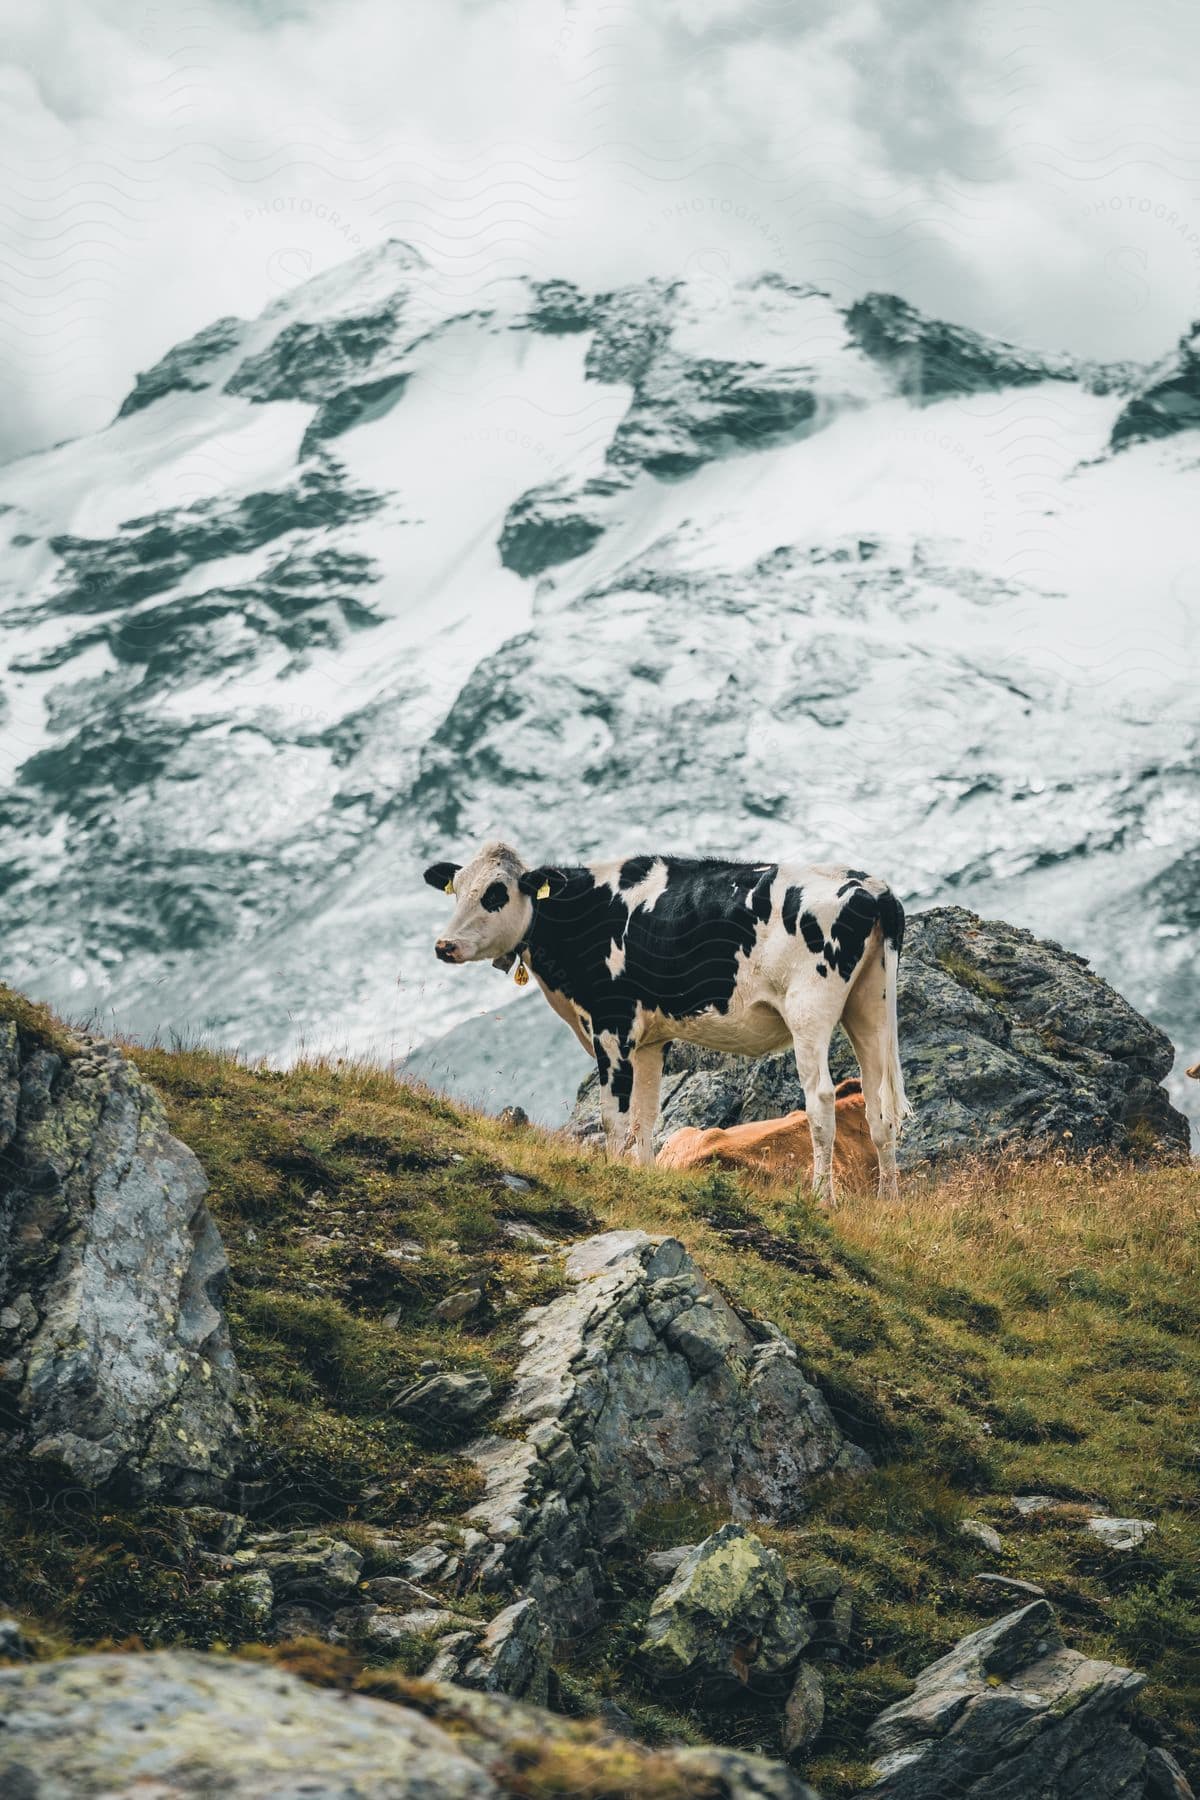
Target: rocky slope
{"x":346,"y":586}
{"x":515,"y":1464}
{"x":1009,"y":1043}
{"x":1008,"y":1712}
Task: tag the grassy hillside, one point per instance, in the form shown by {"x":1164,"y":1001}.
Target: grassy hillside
{"x":1003,"y":1331}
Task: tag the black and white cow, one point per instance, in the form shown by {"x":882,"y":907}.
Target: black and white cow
{"x":742,"y":957}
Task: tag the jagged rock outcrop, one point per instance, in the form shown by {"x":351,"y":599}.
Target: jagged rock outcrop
{"x":928,"y":358}
{"x":186,"y":368}
{"x":556,"y":522}
{"x":686,"y":412}
{"x":115,"y":1359}
{"x":1168,"y":401}
{"x":1010,"y":1713}
{"x":189,"y":1726}
{"x":1008,"y":1042}
{"x":639,"y":1385}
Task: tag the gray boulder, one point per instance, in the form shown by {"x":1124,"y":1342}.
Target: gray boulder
{"x":115,"y":1359}
{"x":1008,"y":1042}
{"x":190,"y":1726}
{"x":185,"y":1726}
{"x":727,"y":1617}
{"x":450,"y":1398}
{"x":1011,"y":1713}
{"x":640,"y":1385}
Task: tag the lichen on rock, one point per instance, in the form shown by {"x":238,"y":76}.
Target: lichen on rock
{"x":728,"y":1616}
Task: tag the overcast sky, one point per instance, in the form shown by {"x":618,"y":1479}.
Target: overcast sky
{"x":1029,"y":169}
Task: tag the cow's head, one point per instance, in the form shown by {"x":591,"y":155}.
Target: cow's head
{"x":492,"y":913}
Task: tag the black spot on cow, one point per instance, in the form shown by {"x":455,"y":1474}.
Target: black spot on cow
{"x":821,"y":969}
{"x":850,"y":931}
{"x":793,"y":900}
{"x":682,"y":957}
{"x":622,"y":1084}
{"x":812,"y":934}
{"x":847,"y":885}
{"x":891,"y":918}
{"x":760,"y":899}
{"x":635,"y":869}
{"x":495,"y":896}
{"x":858,"y":874}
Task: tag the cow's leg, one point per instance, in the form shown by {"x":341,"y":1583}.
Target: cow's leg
{"x":647,"y":1085}
{"x":866,"y":1023}
{"x":615,"y":1067}
{"x":811,"y":1032}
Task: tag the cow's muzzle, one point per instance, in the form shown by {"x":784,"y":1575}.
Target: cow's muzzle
{"x":447,"y":951}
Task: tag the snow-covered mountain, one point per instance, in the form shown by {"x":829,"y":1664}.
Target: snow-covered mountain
{"x":388,"y":569}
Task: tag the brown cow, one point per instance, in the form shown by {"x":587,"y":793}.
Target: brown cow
{"x":780,"y":1150}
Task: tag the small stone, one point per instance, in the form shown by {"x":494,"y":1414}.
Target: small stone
{"x":453,"y":1396}
{"x":12,"y":1641}
{"x":404,"y":1250}
{"x":521,"y":1233}
{"x":316,"y":1568}
{"x":392,"y":1319}
{"x":804,"y":1712}
{"x":517,"y":1183}
{"x":1030,"y":1504}
{"x":1013,"y":1584}
{"x":1165,"y":1780}
{"x":983,"y":1533}
{"x":385,"y":1628}
{"x":1120,"y":1534}
{"x":458,"y":1306}
{"x":394,"y":1591}
{"x":424,"y":1564}
{"x":660,"y":1565}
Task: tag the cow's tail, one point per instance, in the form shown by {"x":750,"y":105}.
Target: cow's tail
{"x":892,"y":1098}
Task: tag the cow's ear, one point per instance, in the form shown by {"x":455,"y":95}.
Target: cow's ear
{"x":546,"y":883}
{"x":441,"y":875}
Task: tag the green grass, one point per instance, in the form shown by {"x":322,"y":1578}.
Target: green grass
{"x":37,"y":1027}
{"x":1006,"y":1329}
{"x":968,"y":975}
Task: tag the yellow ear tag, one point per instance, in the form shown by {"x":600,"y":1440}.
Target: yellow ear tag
{"x":449,"y":888}
{"x":520,"y":974}
{"x":543,"y":892}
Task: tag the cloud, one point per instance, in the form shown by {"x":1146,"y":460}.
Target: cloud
{"x":998,"y":165}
